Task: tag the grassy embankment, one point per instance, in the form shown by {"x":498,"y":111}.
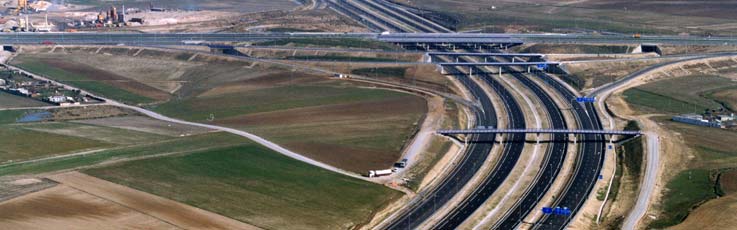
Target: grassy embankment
{"x":79,"y":79}
{"x":330,"y":43}
{"x":341,"y":58}
{"x":255,"y":185}
{"x":712,"y":146}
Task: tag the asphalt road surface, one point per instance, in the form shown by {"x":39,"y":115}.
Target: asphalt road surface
{"x":551,"y":166}
{"x":513,"y":145}
{"x":478,"y":149}
{"x":93,"y":38}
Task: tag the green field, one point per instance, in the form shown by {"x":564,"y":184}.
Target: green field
{"x":331,"y":42}
{"x":37,"y":66}
{"x":267,"y":100}
{"x":680,"y":95}
{"x":10,"y":116}
{"x":359,"y":128}
{"x":173,"y":146}
{"x":713,"y":147}
{"x":12,"y":101}
{"x":18,"y":143}
{"x":255,"y":185}
{"x":687,"y":189}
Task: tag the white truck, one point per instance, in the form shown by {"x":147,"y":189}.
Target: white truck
{"x":378,"y":173}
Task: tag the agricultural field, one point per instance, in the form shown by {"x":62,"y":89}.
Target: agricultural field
{"x":692,"y":94}
{"x":21,"y":143}
{"x":284,"y":106}
{"x":359,"y":128}
{"x":712,"y":148}
{"x":255,"y":185}
{"x":12,"y":101}
{"x":93,"y":79}
{"x":706,"y":17}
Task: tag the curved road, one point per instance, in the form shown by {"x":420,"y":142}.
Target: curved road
{"x":653,"y":140}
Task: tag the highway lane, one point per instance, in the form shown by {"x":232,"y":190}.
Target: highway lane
{"x":93,"y":38}
{"x":551,"y":166}
{"x":513,"y":146}
{"x":589,"y":161}
{"x":478,"y":150}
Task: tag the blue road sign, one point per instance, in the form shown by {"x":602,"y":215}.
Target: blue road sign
{"x":542,"y":66}
{"x":564,"y":211}
{"x":586,"y":99}
{"x":610,"y":146}
{"x":601,"y":176}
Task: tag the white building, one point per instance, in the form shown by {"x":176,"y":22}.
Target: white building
{"x":57,"y":99}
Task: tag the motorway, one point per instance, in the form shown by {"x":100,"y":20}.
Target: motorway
{"x":478,"y":150}
{"x":551,"y":166}
{"x":82,"y":38}
{"x":513,"y":146}
{"x":589,"y":160}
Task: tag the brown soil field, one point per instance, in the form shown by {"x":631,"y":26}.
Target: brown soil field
{"x":113,"y":79}
{"x":66,"y":206}
{"x":334,"y":123}
{"x":82,"y":200}
{"x":729,"y":97}
{"x":268,"y":80}
{"x":715,"y":214}
{"x":11,"y":187}
{"x":728,"y":181}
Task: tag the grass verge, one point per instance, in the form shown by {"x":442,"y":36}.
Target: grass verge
{"x":331,"y":42}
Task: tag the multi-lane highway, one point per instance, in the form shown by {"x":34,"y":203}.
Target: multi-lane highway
{"x":588,"y":164}
{"x":477,"y":151}
{"x":551,"y":165}
{"x":193,"y":38}
{"x":513,"y":145}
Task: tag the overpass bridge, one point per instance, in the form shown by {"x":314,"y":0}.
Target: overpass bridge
{"x":430,"y":41}
{"x":529,"y":56}
{"x":541,"y":131}
{"x":474,"y":65}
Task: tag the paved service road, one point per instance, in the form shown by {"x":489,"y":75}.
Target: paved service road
{"x":653,"y":140}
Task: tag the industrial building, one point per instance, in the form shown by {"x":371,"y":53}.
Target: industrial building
{"x":709,"y":119}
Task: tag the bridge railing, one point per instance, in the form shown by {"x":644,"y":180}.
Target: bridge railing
{"x":541,"y":131}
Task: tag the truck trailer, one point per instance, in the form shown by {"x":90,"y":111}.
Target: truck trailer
{"x":378,"y":173}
